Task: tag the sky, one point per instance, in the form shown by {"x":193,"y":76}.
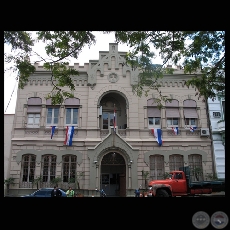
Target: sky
{"x":92,"y":53}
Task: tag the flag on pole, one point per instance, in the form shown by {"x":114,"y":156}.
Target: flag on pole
{"x":52,"y":131}
{"x":69,"y":135}
{"x":192,"y":129}
{"x":114,"y":120}
{"x":175,"y":130}
{"x":157,"y":134}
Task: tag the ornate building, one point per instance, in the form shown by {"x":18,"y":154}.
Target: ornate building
{"x":118,"y":159}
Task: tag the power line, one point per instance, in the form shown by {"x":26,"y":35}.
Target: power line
{"x":10,"y":97}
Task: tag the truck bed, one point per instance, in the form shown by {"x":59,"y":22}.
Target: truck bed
{"x":215,"y":185}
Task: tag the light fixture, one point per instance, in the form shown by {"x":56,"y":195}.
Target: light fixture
{"x":131,"y":161}
{"x":95,"y":162}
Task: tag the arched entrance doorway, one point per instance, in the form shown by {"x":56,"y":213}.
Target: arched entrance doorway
{"x":113,"y":174}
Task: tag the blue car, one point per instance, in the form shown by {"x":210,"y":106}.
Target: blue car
{"x":44,"y":192}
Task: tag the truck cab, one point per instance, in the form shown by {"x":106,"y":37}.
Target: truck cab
{"x":175,"y":184}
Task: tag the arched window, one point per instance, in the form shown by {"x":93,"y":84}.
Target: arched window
{"x":48,"y":168}
{"x":157,"y":167}
{"x":69,"y":167}
{"x":28,"y":167}
{"x":175,"y":162}
{"x":195,"y":165}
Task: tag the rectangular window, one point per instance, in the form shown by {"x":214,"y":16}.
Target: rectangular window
{"x":107,"y":119}
{"x":52,"y":116}
{"x":33,"y":120}
{"x":190,"y":122}
{"x":154,"y":122}
{"x":156,"y":167}
{"x":172,"y":122}
{"x":71,"y":116}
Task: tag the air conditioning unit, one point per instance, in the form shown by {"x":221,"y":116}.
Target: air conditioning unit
{"x":204,"y":132}
{"x":216,"y":114}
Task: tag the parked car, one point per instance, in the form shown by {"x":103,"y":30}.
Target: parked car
{"x":44,"y":192}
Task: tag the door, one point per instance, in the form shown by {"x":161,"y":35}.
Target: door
{"x":122,"y":185}
{"x":113,"y":174}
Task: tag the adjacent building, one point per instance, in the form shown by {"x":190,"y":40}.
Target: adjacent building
{"x":119,"y":140}
{"x":8,"y":125}
{"x":217,"y":121}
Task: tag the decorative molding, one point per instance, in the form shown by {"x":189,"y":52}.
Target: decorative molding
{"x":113,"y":78}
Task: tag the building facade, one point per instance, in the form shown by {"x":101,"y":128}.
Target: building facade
{"x":217,"y":121}
{"x":141,"y":146}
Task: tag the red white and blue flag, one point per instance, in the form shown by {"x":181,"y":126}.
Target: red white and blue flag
{"x":69,"y":135}
{"x":52,"y":131}
{"x":192,"y":129}
{"x":175,"y":130}
{"x":114,"y":120}
{"x":158,"y":136}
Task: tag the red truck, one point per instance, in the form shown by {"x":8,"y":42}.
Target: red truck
{"x":178,"y":183}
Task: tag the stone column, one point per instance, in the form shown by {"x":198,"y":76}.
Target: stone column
{"x":182,"y":125}
{"x":24,"y":121}
{"x":163,"y":118}
{"x":145,"y":117}
{"x":97,"y":177}
{"x":80,"y":116}
{"x":43,"y":120}
{"x":129,"y":175}
{"x":61,"y":122}
{"x":198,"y":119}
{"x":127,"y":116}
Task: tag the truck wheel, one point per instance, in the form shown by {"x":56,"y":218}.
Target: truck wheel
{"x":162,"y":193}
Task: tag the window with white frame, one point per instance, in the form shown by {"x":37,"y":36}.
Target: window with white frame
{"x":33,"y":120}
{"x":72,"y":106}
{"x":69,"y":166}
{"x":153,"y":114}
{"x":33,"y":112}
{"x":154,"y":122}
{"x":52,"y":116}
{"x":71,"y":116}
{"x":190,"y":122}
{"x":28,"y":167}
{"x":172,"y":113}
{"x":52,"y":113}
{"x":157,"y":169}
{"x":190,"y":113}
{"x":172,"y":122}
{"x":48,"y":168}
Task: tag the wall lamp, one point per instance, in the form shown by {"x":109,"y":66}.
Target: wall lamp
{"x":95,"y":162}
{"x":131,"y":161}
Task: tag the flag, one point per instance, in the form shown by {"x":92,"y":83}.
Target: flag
{"x":114,"y":120}
{"x":175,"y":130}
{"x":69,"y":135}
{"x":192,"y":129}
{"x":52,"y":131}
{"x":157,"y":134}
